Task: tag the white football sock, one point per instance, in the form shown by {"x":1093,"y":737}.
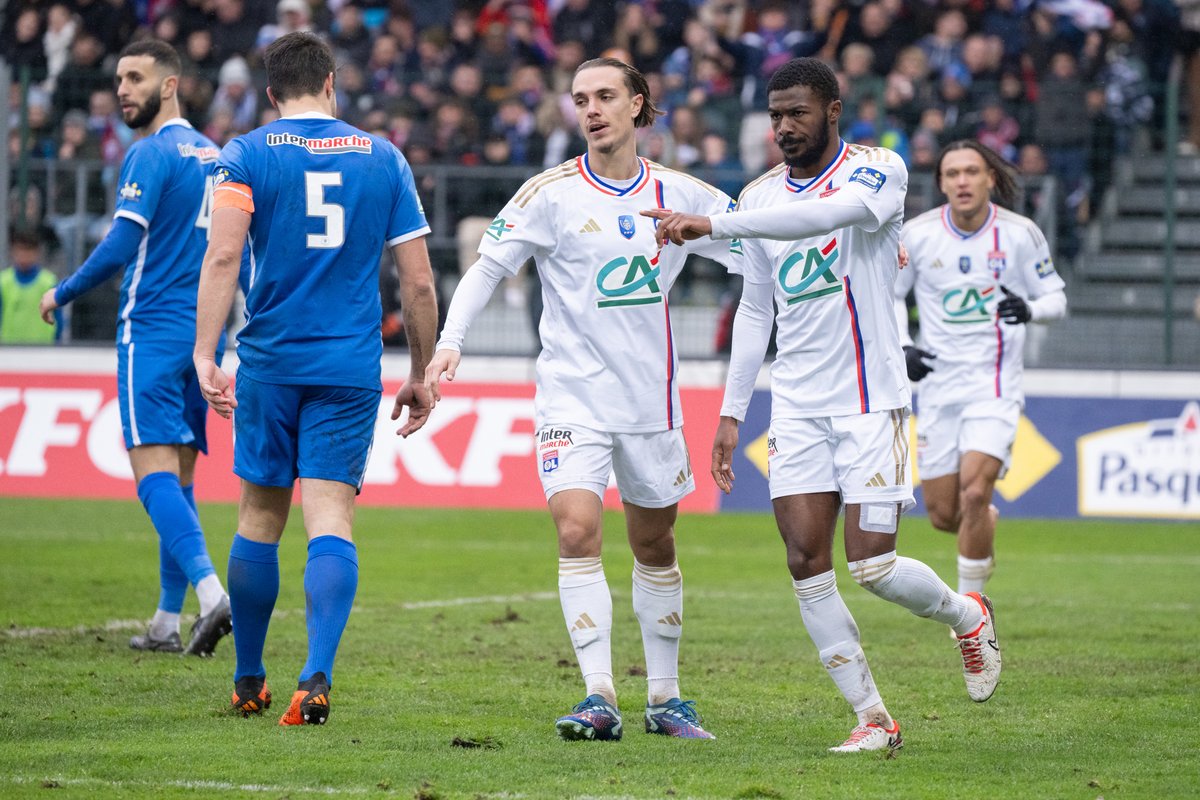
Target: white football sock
{"x":658,"y":604}
{"x":909,"y":583}
{"x":973,"y":573}
{"x":209,"y":592}
{"x":163,"y":624}
{"x":587,"y":609}
{"x":833,"y":631}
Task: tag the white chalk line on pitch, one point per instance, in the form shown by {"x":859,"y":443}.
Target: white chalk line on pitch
{"x":120,"y":625}
{"x":260,"y":788}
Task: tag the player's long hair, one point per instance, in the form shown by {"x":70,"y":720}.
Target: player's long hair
{"x":1005,"y":191}
{"x":297,"y":65}
{"x":163,"y":54}
{"x":635,"y":81}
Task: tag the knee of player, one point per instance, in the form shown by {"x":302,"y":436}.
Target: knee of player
{"x":944,"y":519}
{"x":871,"y":572}
{"x":577,"y":539}
{"x":943,"y":513}
{"x":976,"y":495}
{"x":804,"y":564}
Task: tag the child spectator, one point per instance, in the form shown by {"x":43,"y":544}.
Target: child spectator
{"x":21,"y":288}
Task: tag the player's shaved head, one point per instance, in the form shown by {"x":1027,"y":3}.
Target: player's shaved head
{"x":297,"y":66}
{"x":164,"y":56}
{"x":810,"y":72}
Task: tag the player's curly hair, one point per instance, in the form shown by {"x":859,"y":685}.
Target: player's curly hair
{"x":163,"y":54}
{"x":1005,"y":192}
{"x":635,"y":81}
{"x":810,"y":72}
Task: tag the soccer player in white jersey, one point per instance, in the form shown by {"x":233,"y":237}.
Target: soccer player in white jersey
{"x":607,"y":396}
{"x":980,"y":272}
{"x":820,"y":234}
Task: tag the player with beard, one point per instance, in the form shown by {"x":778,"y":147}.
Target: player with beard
{"x":158,"y":236}
{"x":820,"y":234}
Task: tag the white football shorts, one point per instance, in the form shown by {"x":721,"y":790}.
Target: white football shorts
{"x":652,"y":469}
{"x":944,"y":433}
{"x":862,"y":456}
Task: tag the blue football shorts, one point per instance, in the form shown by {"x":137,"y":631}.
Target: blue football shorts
{"x":283,"y":432}
{"x":159,"y":396}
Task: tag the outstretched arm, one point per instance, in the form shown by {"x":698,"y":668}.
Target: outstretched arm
{"x":472,"y":294}
{"x":418,"y":302}
{"x":117,"y":249}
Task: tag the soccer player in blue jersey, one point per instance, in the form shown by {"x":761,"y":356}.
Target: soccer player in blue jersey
{"x":318,"y":200}
{"x":158,"y":237}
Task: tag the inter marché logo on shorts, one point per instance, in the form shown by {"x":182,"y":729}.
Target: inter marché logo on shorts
{"x":1144,"y":469}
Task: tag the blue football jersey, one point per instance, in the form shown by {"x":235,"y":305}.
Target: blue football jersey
{"x":327,"y":197}
{"x":166,"y":187}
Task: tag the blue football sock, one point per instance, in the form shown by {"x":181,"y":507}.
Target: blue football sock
{"x":253,"y":580}
{"x":172,"y":582}
{"x":189,"y":494}
{"x":177,"y":525}
{"x":330,"y":580}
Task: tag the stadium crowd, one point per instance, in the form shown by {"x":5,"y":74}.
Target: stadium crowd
{"x":1055,"y":86}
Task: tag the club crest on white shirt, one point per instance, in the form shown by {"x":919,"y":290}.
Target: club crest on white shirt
{"x":626,"y":226}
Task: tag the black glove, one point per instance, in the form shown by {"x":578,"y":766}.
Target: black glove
{"x":1013,"y":309}
{"x":914,"y":361}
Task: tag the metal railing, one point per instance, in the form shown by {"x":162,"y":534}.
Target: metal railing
{"x":447,"y":192}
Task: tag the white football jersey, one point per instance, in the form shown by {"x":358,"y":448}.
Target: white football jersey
{"x":957,"y":277}
{"x":608,"y":359}
{"x":838,"y":348}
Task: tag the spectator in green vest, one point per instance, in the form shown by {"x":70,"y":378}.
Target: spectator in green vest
{"x":21,"y":288}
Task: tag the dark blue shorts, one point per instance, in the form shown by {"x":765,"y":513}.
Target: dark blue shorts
{"x":159,"y":396}
{"x":283,"y":432}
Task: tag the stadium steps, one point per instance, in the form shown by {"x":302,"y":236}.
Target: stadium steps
{"x":1133,"y":266}
{"x":1138,"y":299}
{"x":1147,"y":200}
{"x":1114,"y":291}
{"x":1108,"y":341}
{"x":1124,"y":233}
{"x":1152,"y":169}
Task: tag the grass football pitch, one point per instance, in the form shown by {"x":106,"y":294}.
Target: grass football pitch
{"x":456,"y":662}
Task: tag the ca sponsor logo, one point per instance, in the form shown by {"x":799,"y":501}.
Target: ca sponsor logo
{"x":816,"y":278}
{"x":1144,"y":469}
{"x":965,"y":306}
{"x":498,"y":228}
{"x":629,"y":282}
{"x":131,"y":191}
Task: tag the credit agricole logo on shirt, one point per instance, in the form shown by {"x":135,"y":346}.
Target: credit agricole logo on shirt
{"x":629,"y":281}
{"x":808,"y":274}
{"x":964,"y":306}
{"x":498,"y":228}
